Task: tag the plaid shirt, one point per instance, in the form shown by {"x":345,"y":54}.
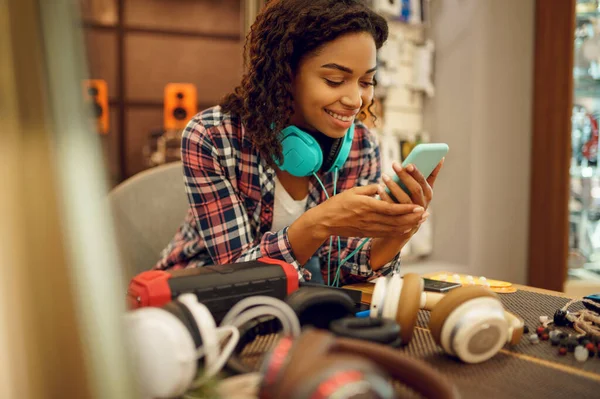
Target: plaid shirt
{"x":231,"y":193}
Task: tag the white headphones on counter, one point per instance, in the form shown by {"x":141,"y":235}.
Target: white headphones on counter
{"x":468,"y":322}
{"x":167,"y":343}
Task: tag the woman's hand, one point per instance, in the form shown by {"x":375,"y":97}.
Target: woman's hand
{"x":421,"y":189}
{"x":355,"y":213}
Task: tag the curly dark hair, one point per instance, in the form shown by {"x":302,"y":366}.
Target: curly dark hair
{"x":284,"y":32}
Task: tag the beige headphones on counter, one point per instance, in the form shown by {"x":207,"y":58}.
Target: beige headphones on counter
{"x":468,"y":322}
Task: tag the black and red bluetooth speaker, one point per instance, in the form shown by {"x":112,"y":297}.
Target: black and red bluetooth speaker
{"x":219,"y":287}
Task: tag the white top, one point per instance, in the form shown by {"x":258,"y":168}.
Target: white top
{"x":286,"y":209}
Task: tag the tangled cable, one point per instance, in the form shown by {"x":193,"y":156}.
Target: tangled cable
{"x":584,"y":321}
{"x":243,"y":386}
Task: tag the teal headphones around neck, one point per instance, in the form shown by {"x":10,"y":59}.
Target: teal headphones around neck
{"x":303,"y":156}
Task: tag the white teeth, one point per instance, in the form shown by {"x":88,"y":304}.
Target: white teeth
{"x":340,"y":117}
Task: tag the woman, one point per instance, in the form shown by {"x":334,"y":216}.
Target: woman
{"x":310,"y":68}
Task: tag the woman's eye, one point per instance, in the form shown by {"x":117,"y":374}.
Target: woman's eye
{"x":368,"y":83}
{"x":333,"y":83}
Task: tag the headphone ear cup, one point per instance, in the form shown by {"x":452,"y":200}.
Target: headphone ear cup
{"x":391,"y":301}
{"x":409,"y":305}
{"x":329,"y":160}
{"x":184,"y":315}
{"x":319,"y":306}
{"x":379,"y":330}
{"x":449,"y":303}
{"x":378,"y":297}
{"x":302,"y":155}
{"x":339,"y":151}
{"x":163,"y":352}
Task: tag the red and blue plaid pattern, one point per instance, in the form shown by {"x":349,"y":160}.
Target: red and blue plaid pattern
{"x":231,"y":193}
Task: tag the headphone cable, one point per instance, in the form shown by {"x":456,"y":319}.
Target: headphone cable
{"x":241,"y":313}
{"x":336,"y":280}
{"x":330,"y":237}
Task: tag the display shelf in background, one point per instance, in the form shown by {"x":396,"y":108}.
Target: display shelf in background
{"x":584,"y":172}
{"x":584,"y":237}
{"x":583,"y":281}
{"x":587,"y":89}
{"x":588,"y":15}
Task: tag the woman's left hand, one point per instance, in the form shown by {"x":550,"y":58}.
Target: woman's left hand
{"x":421,"y":189}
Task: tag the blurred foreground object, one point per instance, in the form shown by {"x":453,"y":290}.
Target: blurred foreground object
{"x":60,"y":327}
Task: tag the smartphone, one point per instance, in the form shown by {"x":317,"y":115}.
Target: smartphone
{"x":425,"y":157}
{"x":439,"y":286}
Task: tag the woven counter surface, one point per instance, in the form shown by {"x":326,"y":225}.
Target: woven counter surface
{"x":524,"y":371}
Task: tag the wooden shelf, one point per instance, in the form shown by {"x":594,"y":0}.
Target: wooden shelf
{"x":163,"y":32}
{"x":149,"y":104}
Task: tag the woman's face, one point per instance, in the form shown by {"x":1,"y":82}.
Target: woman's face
{"x":332,"y":87}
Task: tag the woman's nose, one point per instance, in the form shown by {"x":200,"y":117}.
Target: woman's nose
{"x":352,"y":98}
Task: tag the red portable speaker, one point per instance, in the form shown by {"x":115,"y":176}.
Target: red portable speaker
{"x":219,"y":287}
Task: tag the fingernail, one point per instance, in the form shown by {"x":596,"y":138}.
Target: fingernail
{"x":410,"y":168}
{"x":385,"y":177}
{"x":425,"y":215}
{"x":397,"y":167}
{"x":381,"y":189}
{"x":418,"y":209}
{"x":407,"y":231}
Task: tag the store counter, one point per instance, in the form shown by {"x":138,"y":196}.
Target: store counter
{"x":526,"y":370}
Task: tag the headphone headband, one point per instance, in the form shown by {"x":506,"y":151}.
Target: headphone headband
{"x":291,"y":365}
{"x":411,"y":372}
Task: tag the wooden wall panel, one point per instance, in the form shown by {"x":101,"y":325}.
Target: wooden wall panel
{"x":206,"y":16}
{"x":215,"y":67}
{"x":140,"y":123}
{"x":99,"y":11}
{"x":551,"y":143}
{"x":195,"y":41}
{"x":101,"y":49}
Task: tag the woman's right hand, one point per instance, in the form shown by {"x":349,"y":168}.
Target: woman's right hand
{"x":356,"y":213}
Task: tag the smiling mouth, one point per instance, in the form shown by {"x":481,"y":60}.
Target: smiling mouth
{"x":340,"y":117}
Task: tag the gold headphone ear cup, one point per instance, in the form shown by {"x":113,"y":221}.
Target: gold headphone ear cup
{"x":311,"y":346}
{"x":410,"y":302}
{"x":451,"y":301}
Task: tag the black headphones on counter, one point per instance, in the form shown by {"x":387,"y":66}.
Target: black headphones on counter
{"x":324,"y":308}
{"x":332,"y":309}
{"x":169,"y":344}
